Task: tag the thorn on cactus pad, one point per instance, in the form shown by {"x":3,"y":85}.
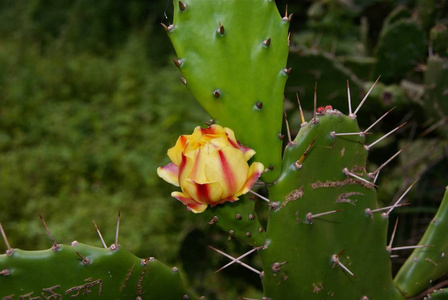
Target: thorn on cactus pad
{"x":185,"y":297}
{"x":248,"y":234}
{"x":259,"y":105}
{"x":392,"y":237}
{"x":365,"y":98}
{"x":9,"y":250}
{"x":231,"y":234}
{"x":213,"y":220}
{"x":302,"y":117}
{"x":348,"y":173}
{"x":167,"y":28}
{"x":217,"y":93}
{"x":335,"y":134}
{"x":350,"y":114}
{"x":287,"y":71}
{"x":210,"y":122}
{"x":184,"y":81}
{"x":277,"y":266}
{"x":117,"y":230}
{"x":175,"y":269}
{"x":399,"y":200}
{"x":99,"y":234}
{"x":238,"y":217}
{"x":379,"y":119}
{"x":55,"y":246}
{"x":310,"y":217}
{"x":315,"y":119}
{"x":267,"y":42}
{"x":370,"y":212}
{"x":84,"y":260}
{"x":280,"y":136}
{"x":177,"y":62}
{"x":287,"y":17}
{"x":182,"y":6}
{"x":259,"y":196}
{"x":237,"y":260}
{"x":410,"y":247}
{"x":298,"y":163}
{"x":336,"y":261}
{"x":220,"y":29}
{"x":374,"y":173}
{"x":367,"y":147}
{"x":288,"y":131}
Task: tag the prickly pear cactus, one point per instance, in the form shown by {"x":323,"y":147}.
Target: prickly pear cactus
{"x":235,"y":65}
{"x":326,"y":236}
{"x":87,"y":272}
{"x":334,"y":246}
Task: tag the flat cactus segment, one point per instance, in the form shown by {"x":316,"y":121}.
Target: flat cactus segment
{"x":86,"y":272}
{"x":323,"y":242}
{"x":401,"y":46}
{"x":232,"y":55}
{"x":441,"y":294}
{"x":436,"y":84}
{"x":427,"y":264}
{"x":239,"y":220}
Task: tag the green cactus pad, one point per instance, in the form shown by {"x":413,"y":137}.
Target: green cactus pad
{"x":232,"y":55}
{"x":401,"y":46}
{"x":441,"y":294}
{"x":239,"y":220}
{"x":305,"y":252}
{"x":427,"y":264}
{"x":86,"y":272}
{"x":436,"y":85}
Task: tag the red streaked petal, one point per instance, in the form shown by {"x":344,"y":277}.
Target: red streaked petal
{"x":227,"y":171}
{"x":169,"y":173}
{"x":189,"y":202}
{"x":248,"y":152}
{"x":175,"y":152}
{"x":255,"y":171}
{"x":228,"y":168}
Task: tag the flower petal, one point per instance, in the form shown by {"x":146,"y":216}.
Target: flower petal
{"x":169,"y":173}
{"x":255,"y":171}
{"x":248,"y":152}
{"x":189,"y":202}
{"x":229,"y":168}
{"x":175,"y":153}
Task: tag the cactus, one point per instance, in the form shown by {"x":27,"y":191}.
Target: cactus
{"x":326,"y":236}
{"x":230,"y":79}
{"x":401,"y":46}
{"x":87,"y":272}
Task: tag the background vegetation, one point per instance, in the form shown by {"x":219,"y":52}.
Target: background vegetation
{"x":90,"y":102}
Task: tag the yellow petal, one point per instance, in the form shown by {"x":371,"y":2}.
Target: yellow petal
{"x":229,"y":168}
{"x":169,"y":173}
{"x":189,"y":202}
{"x":255,"y":171}
{"x":175,"y":153}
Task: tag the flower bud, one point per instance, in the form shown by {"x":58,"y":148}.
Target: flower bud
{"x":211,"y":168}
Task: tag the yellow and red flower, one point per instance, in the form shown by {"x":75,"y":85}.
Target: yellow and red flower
{"x":211,"y":168}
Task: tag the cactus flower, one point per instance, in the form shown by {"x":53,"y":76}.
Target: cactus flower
{"x":210,"y":166}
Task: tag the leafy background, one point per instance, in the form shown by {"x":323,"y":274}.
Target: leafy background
{"x":90,"y":102}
